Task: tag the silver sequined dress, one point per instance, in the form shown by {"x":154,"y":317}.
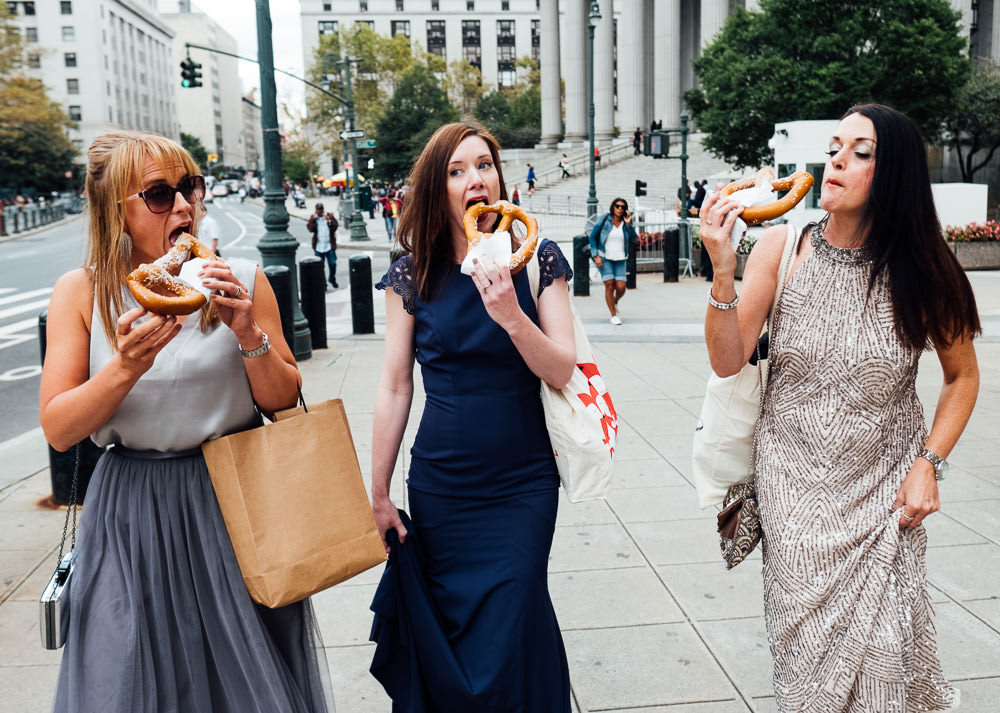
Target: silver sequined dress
{"x":848,"y":616}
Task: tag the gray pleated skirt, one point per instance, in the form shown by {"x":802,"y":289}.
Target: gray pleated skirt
{"x":160,"y":619}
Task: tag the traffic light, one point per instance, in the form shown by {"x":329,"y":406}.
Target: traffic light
{"x":190,"y":73}
{"x":640,"y":188}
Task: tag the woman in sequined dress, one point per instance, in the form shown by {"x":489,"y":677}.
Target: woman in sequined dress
{"x":846,"y":469}
{"x":483,"y":484}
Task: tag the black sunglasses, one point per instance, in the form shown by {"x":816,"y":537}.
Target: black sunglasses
{"x":620,"y":205}
{"x":160,"y":198}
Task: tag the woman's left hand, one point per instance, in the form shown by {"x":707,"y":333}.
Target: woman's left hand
{"x":230,"y":296}
{"x":918,"y":495}
{"x":497,"y":291}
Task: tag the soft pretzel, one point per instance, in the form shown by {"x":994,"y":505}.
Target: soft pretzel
{"x":156,"y":286}
{"x":797,"y":185}
{"x":508,"y":213}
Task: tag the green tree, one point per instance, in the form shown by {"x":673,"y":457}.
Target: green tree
{"x":192,"y":144}
{"x":813,"y":59}
{"x":514,"y":115}
{"x":465,"y":88}
{"x":34,"y":149}
{"x":418,"y":107}
{"x":974,"y":124}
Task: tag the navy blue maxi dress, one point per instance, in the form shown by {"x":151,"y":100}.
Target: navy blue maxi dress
{"x":483,"y":492}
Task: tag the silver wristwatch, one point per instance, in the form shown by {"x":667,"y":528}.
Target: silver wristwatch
{"x":258,"y":351}
{"x":939,"y":463}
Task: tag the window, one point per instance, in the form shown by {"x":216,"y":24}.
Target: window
{"x":505,"y":32}
{"x":74,"y":113}
{"x":327,"y":27}
{"x":470,"y":33}
{"x":436,"y":37}
{"x":399,"y":5}
{"x":473,"y":54}
{"x":435,"y":5}
{"x":505,"y":5}
{"x":31,"y":34}
{"x":65,"y":7}
{"x":72,"y":86}
{"x":812,"y":198}
{"x":68,"y":33}
{"x":506,"y":79}
{"x":29,"y":8}
{"x":70,"y":59}
{"x":34,"y":60}
{"x":505,"y":58}
{"x":370,"y":23}
{"x":401,"y":27}
{"x":362,"y":5}
{"x":470,"y":5}
{"x":327,"y":7}
{"x":536,"y":37}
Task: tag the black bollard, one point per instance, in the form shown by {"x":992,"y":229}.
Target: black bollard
{"x":280,"y":278}
{"x":312,"y":283}
{"x":62,"y":465}
{"x":671,"y":253}
{"x":581,"y":265}
{"x":362,"y":305}
{"x":630,"y":267}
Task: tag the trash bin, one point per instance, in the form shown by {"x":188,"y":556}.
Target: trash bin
{"x":364,"y":197}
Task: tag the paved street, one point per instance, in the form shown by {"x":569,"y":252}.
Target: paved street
{"x":651,"y":619}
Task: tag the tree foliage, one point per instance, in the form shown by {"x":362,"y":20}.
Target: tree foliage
{"x":34,"y":150}
{"x":514,"y":115}
{"x":974,"y":124}
{"x":384,"y":61}
{"x":813,"y":59}
{"x":192,"y":144}
{"x":464,"y":84}
{"x":417,"y":109}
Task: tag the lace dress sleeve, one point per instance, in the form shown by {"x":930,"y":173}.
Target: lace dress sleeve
{"x":552,"y":265}
{"x":400,"y":279}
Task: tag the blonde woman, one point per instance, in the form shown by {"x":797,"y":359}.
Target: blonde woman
{"x":159,"y":616}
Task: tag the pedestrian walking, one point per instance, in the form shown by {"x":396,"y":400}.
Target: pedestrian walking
{"x":637,"y":142}
{"x":207,"y":229}
{"x":531,"y":179}
{"x":483,"y":512}
{"x":159,"y":617}
{"x":610,"y":242}
{"x":597,"y":156}
{"x":515,"y":197}
{"x":564,"y":165}
{"x":846,"y":471}
{"x":390,"y":214}
{"x":323,"y":227}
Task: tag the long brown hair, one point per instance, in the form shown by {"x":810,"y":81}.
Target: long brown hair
{"x":114,"y":162}
{"x":423,"y":224}
{"x":932,"y":299}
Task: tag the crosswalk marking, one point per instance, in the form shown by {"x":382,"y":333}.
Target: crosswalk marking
{"x":23,"y":295}
{"x":16,"y":303}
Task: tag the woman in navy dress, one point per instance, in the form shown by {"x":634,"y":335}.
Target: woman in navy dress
{"x":483,"y":484}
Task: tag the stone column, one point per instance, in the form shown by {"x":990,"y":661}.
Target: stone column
{"x":573,"y":45}
{"x":604,"y":73}
{"x":548,"y":51}
{"x":633,"y":64}
{"x":995,"y":49}
{"x":713,"y":16}
{"x":666,"y":59}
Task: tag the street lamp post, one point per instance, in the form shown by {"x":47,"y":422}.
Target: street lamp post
{"x":358,"y":229}
{"x":277,"y":247}
{"x":595,"y":15}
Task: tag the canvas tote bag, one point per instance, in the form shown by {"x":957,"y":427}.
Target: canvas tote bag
{"x":294,"y":503}
{"x":580,"y":417}
{"x":723,"y":439}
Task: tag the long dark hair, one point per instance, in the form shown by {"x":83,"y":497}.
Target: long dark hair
{"x":423,"y":225}
{"x":932,"y":299}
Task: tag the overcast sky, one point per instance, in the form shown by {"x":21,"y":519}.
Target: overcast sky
{"x":239,"y":19}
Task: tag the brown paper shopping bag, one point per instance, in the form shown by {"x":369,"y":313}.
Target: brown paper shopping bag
{"x":294,"y":503}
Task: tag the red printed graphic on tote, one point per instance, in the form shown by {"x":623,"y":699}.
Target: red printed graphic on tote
{"x":600,"y":400}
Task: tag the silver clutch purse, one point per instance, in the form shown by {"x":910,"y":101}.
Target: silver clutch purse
{"x":54,"y":605}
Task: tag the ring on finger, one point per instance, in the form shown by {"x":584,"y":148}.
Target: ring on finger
{"x":239,"y":291}
{"x":908,"y":518}
{"x":708,"y":222}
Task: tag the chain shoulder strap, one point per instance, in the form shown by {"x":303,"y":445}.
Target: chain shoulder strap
{"x":71,"y":507}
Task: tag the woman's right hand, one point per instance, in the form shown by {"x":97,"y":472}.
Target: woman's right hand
{"x":387,"y":518}
{"x":599,"y":261}
{"x":138,"y":344}
{"x":718,"y":216}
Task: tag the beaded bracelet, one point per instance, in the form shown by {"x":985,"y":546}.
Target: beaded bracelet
{"x":722,"y":305}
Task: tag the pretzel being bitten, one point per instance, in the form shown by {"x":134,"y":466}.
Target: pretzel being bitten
{"x":508,"y":214}
{"x":156,"y":286}
{"x":797,"y":185}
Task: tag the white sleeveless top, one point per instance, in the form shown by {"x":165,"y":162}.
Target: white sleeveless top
{"x":197,"y":389}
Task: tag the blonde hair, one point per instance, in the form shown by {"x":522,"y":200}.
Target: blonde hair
{"x":114,"y":163}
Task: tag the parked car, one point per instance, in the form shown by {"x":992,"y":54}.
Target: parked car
{"x":219,"y":190}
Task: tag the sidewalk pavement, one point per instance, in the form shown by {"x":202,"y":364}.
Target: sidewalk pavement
{"x":651,"y":619}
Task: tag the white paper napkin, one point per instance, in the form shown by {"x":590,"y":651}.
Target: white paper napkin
{"x":494,"y":249}
{"x":189,"y":273}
